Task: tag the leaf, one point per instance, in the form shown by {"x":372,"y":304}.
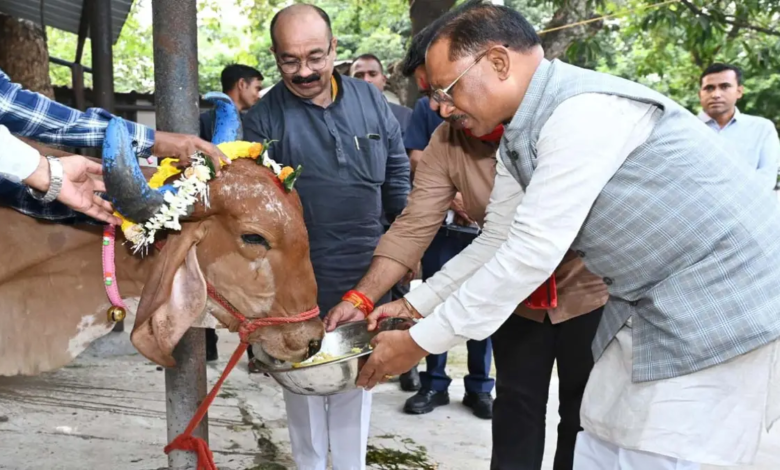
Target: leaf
{"x":289,"y":182}
{"x":210,"y":164}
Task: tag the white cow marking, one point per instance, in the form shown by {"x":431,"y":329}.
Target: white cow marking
{"x":88,"y":331}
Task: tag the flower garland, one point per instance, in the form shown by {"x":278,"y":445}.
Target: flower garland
{"x":193,"y":186}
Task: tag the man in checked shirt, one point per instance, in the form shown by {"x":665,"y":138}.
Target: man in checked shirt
{"x":33,"y":115}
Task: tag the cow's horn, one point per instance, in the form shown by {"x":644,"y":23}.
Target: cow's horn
{"x":126,"y":186}
{"x":227,"y":120}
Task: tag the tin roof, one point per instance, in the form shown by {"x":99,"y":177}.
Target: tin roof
{"x":64,"y":14}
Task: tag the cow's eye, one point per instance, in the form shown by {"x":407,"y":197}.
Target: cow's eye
{"x":255,"y":239}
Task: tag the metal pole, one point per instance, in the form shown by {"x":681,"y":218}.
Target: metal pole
{"x":175,"y":33}
{"x":102,"y":54}
{"x":77,"y":73}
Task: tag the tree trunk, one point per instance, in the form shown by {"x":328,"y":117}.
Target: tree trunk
{"x":23,"y":54}
{"x":422,"y":13}
{"x":555,"y":43}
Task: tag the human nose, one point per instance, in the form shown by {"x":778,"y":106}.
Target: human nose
{"x":445,"y":109}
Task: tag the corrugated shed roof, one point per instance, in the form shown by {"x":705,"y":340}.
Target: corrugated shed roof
{"x":64,"y":14}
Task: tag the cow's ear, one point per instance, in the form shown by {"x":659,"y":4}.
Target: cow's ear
{"x":173,"y":298}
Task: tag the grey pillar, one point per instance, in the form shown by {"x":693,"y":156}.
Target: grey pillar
{"x":176,"y":105}
{"x":102,"y":55}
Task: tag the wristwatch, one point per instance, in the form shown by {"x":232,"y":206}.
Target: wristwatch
{"x":55,"y":182}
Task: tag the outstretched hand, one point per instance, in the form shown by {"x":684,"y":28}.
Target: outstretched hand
{"x":394,"y":353}
{"x":184,"y":146}
{"x":79,"y":186}
{"x":397,"y":308}
{"x":343,"y":312}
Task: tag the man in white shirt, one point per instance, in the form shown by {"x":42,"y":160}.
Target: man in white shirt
{"x":21,"y":162}
{"x":753,"y":138}
{"x":680,"y":233}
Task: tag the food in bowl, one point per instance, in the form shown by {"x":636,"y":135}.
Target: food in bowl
{"x":322,"y":357}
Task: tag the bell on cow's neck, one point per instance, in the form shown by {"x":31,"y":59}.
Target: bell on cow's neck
{"x":116,"y":314}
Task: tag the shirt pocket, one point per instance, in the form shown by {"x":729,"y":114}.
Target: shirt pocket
{"x":372,"y":159}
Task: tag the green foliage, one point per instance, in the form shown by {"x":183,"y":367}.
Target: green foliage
{"x":664,"y":47}
{"x":668,"y":48}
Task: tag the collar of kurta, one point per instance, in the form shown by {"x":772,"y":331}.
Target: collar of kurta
{"x":334,"y":87}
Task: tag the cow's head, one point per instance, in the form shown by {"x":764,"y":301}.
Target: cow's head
{"x":250,"y":243}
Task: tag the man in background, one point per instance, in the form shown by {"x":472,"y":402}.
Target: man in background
{"x":355,"y":174}
{"x":753,"y":138}
{"x":242,"y":84}
{"x":368,"y":67}
{"x":455,"y":233}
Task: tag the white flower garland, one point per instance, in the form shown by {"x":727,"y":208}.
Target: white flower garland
{"x":192,"y":186}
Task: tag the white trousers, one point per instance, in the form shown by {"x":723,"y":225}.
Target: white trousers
{"x":591,"y":453}
{"x":339,"y":422}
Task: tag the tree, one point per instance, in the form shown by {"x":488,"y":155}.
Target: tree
{"x":668,"y":47}
{"x":23,"y":55}
{"x":664,"y":46}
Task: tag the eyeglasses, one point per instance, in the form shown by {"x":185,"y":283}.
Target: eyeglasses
{"x":315,"y":64}
{"x":442,"y":96}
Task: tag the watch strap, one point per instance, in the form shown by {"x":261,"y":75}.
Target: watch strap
{"x":56,"y":174}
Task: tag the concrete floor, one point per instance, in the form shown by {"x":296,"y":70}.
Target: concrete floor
{"x":109,"y":413}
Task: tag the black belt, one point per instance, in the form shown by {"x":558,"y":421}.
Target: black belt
{"x":460,"y":232}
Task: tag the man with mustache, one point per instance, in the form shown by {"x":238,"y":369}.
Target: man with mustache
{"x":687,"y":356}
{"x":529,"y":342}
{"x":355,"y":170}
{"x":753,"y":138}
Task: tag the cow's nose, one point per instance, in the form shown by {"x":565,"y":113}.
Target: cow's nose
{"x":314,"y":347}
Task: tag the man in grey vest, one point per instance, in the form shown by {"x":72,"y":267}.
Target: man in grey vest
{"x":679,"y":229}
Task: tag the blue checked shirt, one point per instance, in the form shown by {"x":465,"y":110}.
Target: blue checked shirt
{"x":33,"y":115}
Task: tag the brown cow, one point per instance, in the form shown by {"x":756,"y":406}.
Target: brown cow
{"x":250,"y":244}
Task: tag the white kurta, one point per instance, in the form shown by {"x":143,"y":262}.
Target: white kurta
{"x":714,"y":416}
{"x":17,"y":159}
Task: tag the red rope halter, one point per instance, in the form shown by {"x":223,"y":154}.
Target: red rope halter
{"x":186,"y":441}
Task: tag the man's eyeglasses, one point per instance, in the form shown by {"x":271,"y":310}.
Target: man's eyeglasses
{"x":442,"y":96}
{"x":315,"y":64}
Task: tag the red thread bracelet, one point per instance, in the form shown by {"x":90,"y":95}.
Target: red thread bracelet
{"x":360,"y":301}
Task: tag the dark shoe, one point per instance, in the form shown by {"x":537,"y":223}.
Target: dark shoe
{"x":410,"y":381}
{"x":425,"y":401}
{"x":480,"y":403}
{"x":212,"y":353}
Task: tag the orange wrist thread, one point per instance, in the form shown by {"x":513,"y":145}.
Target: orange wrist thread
{"x":360,"y":301}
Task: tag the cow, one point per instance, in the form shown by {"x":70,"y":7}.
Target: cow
{"x":250,"y":243}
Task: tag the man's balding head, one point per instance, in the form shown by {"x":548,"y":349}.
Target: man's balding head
{"x":297,"y":14}
{"x":305,"y":50}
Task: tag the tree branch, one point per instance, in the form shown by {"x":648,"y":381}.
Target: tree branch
{"x":736,"y":23}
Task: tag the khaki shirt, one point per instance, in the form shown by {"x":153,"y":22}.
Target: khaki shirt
{"x":454,"y":162}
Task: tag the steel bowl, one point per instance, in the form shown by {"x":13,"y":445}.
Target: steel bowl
{"x":328,"y":378}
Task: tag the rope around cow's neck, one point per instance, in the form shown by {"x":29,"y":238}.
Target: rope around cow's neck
{"x":186,"y":441}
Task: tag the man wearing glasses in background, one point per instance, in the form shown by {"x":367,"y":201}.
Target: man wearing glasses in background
{"x":355,"y":170}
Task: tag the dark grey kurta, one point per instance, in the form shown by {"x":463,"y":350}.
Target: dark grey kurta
{"x":355,"y":169}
